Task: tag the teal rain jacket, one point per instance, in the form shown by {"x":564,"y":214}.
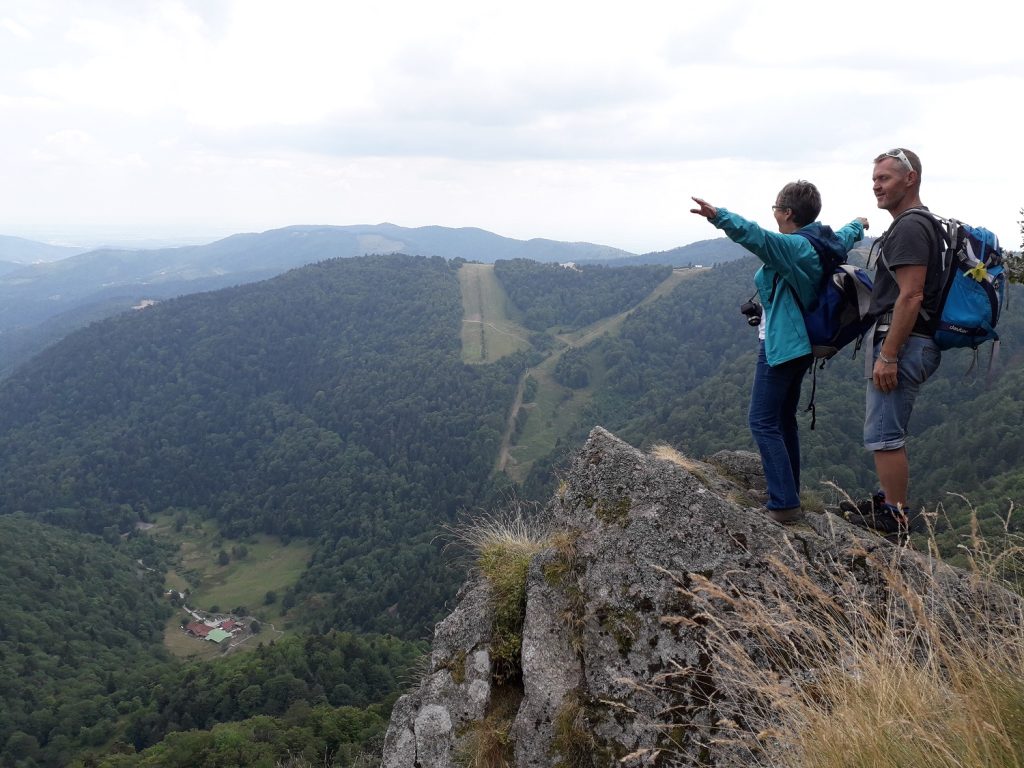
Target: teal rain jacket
{"x":792,"y":263}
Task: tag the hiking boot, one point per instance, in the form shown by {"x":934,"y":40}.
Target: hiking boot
{"x":788,"y":515}
{"x":890,"y":521}
{"x":864,"y":506}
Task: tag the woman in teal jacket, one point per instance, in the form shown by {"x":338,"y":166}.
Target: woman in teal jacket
{"x":790,"y":276}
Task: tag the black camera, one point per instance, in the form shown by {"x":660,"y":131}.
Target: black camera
{"x":752,"y":311}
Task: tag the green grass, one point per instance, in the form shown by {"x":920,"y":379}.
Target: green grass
{"x":268,"y":566}
{"x":184,"y":646}
{"x":551,"y":415}
{"x":489,"y":327}
{"x":504,"y":543}
{"x":175,"y":580}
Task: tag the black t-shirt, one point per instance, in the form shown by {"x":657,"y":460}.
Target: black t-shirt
{"x":910,"y":241}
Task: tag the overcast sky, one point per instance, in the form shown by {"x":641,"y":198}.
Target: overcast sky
{"x":581,"y":121}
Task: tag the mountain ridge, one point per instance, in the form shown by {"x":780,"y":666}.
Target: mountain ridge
{"x":19,"y":251}
{"x":104,"y":281}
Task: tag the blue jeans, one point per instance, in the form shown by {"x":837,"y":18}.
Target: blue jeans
{"x":887,"y":414}
{"x":773,"y":403}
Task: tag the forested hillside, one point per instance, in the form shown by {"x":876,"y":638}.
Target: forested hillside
{"x":81,"y":622}
{"x":80,"y":629}
{"x":74,"y":287}
{"x":18,"y":250}
{"x":704,"y":253}
{"x":328,"y":403}
{"x":571,"y":297}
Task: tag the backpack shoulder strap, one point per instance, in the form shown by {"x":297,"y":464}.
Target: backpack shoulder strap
{"x":831,"y":256}
{"x":820,"y":248}
{"x":943,"y":229}
{"x":945,"y":233}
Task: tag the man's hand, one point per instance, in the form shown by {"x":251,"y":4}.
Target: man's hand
{"x":884,"y":375}
{"x":704,"y":208}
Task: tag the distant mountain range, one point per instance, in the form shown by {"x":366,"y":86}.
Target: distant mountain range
{"x":15,"y":251}
{"x":47,"y":291}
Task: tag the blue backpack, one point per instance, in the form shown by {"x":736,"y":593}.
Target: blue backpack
{"x":973,"y":284}
{"x":840,"y":313}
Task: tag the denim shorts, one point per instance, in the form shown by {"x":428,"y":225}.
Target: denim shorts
{"x":887,"y":414}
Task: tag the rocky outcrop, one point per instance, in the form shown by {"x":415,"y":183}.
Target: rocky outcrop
{"x":647,"y":561}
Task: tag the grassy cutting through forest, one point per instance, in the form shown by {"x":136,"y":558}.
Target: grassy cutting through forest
{"x":490,"y":330}
{"x":554,"y":409}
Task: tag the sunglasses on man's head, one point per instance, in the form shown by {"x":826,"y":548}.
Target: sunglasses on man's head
{"x":901,"y":156}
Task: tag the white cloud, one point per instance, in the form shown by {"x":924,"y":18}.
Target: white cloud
{"x":573,"y":120}
{"x":10,"y":25}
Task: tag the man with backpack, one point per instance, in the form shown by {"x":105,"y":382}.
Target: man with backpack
{"x":789,"y":281}
{"x":907,"y":292}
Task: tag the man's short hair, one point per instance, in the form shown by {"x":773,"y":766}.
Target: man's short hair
{"x":803,"y":199}
{"x":912,"y":158}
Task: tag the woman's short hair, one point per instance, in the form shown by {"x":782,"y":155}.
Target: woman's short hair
{"x":803,"y":199}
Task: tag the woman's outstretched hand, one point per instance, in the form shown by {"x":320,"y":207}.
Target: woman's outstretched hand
{"x":704,"y":208}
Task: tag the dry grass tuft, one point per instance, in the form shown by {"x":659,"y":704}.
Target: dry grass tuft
{"x":574,"y":742}
{"x":503,"y":544}
{"x":511,"y":528}
{"x":890,"y":670}
{"x":666,"y":452}
{"x":812,"y":501}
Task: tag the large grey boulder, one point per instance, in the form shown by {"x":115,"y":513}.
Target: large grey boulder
{"x":618,"y":666}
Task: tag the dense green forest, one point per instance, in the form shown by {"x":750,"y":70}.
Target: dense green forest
{"x":337,"y":668}
{"x":305,"y":736}
{"x":329,"y":403}
{"x":81,"y":623}
{"x":572,"y":297}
